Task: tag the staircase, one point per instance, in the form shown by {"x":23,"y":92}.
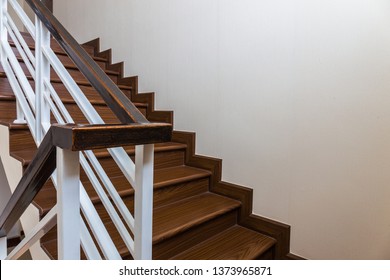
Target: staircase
{"x":195,"y":216}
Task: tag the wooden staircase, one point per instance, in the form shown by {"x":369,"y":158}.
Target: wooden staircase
{"x":196,"y":215}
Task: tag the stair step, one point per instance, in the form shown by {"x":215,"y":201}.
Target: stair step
{"x":21,"y":140}
{"x":182,"y":215}
{"x":166,"y":155}
{"x":78,"y":116}
{"x":64,"y":58}
{"x":235,"y":243}
{"x":74,"y":73}
{"x":13,"y":126}
{"x":163,"y":178}
{"x":26,"y":154}
{"x":6,"y":93}
{"x":53,"y":44}
{"x":88,"y":91}
{"x":173,"y":219}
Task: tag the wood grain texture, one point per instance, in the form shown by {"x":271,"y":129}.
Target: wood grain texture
{"x":164,"y":191}
{"x":277,"y":230}
{"x":194,"y":211}
{"x":21,"y":140}
{"x":89,"y":137}
{"x":235,"y":243}
{"x":189,"y":238}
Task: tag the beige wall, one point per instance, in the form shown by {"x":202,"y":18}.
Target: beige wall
{"x":292,"y":94}
{"x":16,"y":19}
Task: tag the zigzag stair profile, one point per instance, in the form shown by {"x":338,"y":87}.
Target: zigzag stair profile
{"x":196,"y":215}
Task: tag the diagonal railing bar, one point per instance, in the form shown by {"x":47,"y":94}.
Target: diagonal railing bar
{"x":40,"y":107}
{"x":124,"y":109}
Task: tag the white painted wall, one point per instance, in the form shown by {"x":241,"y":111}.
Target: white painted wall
{"x":294,"y":95}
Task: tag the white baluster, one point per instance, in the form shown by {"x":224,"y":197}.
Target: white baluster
{"x":3,"y":29}
{"x":144,"y":157}
{"x":3,"y":247}
{"x":20,"y":118}
{"x":68,"y":203}
{"x":42,"y":108}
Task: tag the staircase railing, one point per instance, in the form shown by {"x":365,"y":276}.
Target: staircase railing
{"x":38,"y":105}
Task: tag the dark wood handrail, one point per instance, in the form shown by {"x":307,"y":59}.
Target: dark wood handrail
{"x":122,"y":107}
{"x":76,"y":138}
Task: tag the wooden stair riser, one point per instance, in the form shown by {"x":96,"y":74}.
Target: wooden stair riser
{"x":74,"y":73}
{"x":8,"y":109}
{"x":53,"y":44}
{"x":88,"y":91}
{"x":21,"y":140}
{"x":7,"y":93}
{"x":161,"y":160}
{"x":170,"y":194}
{"x":46,"y":199}
{"x":64,"y":58}
{"x":268,"y":255}
{"x":78,"y":116}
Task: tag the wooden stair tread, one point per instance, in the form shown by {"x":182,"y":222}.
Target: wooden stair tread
{"x":159,"y":147}
{"x":46,"y":198}
{"x":13,"y":126}
{"x":26,"y":155}
{"x":74,"y":67}
{"x":235,"y":243}
{"x":181,"y":216}
{"x":174,"y":218}
{"x":100,"y":102}
{"x":57,"y":49}
{"x":78,"y":82}
{"x":178,"y":174}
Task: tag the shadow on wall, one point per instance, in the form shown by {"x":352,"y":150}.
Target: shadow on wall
{"x":5,"y":195}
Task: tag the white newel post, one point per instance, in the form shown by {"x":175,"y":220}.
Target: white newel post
{"x":144,"y":157}
{"x":3,"y":247}
{"x":42,"y":68}
{"x":68,"y":203}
